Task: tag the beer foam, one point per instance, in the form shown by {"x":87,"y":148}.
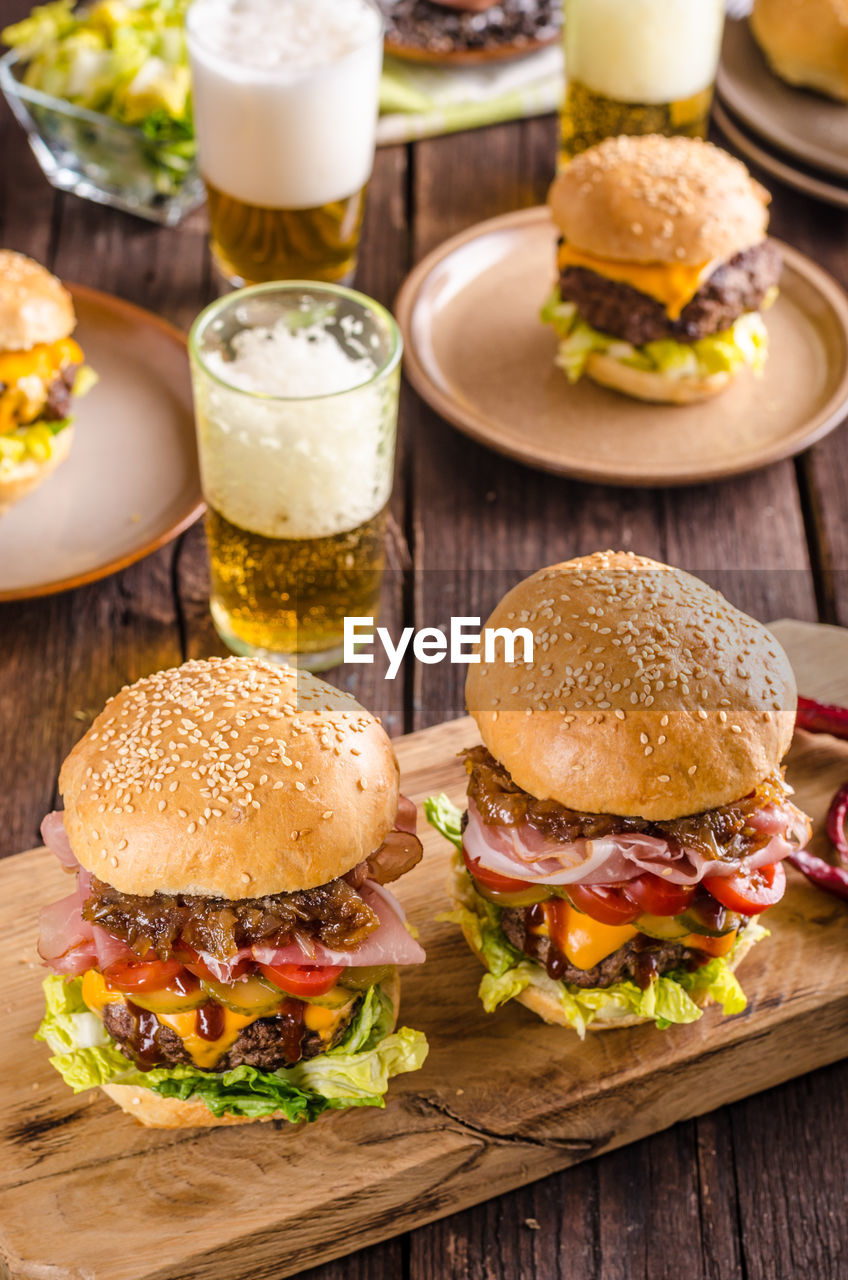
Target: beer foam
{"x":295,"y":34}
{"x":285,"y":98}
{"x":289,"y":468}
{"x":643,"y":51}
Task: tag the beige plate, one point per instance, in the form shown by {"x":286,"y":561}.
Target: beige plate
{"x":810,"y":126}
{"x":131,"y":482}
{"x":478,"y":353}
{"x":467,"y":57}
{"x":811,"y":183}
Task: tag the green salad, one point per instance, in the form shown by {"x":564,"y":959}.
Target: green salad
{"x":125,"y":59}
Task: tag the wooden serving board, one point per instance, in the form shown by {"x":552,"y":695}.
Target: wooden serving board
{"x":85,"y":1194}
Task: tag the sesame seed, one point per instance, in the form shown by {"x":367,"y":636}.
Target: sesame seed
{"x":663,"y":777}
{"x":363,"y":784}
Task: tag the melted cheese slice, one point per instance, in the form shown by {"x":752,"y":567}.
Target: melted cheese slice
{"x":205,"y":1053}
{"x":582,"y":940}
{"x":673,"y":284}
{"x":41,"y":361}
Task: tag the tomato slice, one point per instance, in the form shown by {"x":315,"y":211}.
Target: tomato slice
{"x":749,"y":892}
{"x":657,"y":897}
{"x":493,"y":879}
{"x":141,"y":975}
{"x":609,"y":905}
{"x":302,"y":979}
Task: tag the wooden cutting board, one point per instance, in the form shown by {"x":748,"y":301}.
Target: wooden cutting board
{"x":502,"y":1099}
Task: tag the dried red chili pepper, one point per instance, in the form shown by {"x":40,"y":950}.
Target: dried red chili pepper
{"x":822,"y":717}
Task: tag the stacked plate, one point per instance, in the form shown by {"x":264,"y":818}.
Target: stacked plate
{"x":795,"y":135}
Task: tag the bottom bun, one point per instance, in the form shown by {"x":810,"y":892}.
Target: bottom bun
{"x":154,"y":1111}
{"x":643,"y":384}
{"x":20,"y":480}
{"x":541,"y":1002}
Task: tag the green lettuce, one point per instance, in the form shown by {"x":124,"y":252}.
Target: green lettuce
{"x":670,"y":998}
{"x":744,"y":343}
{"x":355,"y":1073}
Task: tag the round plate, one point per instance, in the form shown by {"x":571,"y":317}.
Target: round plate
{"x":478,"y":353}
{"x":806,"y":124}
{"x":811,"y":183}
{"x":467,"y":57}
{"x":131,"y":482}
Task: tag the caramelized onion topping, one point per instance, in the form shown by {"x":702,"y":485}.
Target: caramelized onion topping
{"x":721,"y":833}
{"x":334,"y":914}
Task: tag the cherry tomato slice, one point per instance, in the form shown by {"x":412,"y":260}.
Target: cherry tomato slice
{"x":609,"y":905}
{"x":657,"y":897}
{"x":493,"y":879}
{"x":302,"y":979}
{"x":749,"y":892}
{"x":141,"y":975}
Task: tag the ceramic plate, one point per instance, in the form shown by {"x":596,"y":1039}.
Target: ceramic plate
{"x":131,"y":482}
{"x":478,"y":353}
{"x":808,"y":125}
{"x":811,"y":182}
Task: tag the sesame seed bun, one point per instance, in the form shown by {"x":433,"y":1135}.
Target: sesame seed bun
{"x":659,"y":200}
{"x":648,"y":696}
{"x":806,"y":44}
{"x":34,"y":306}
{"x":644,"y":384}
{"x":156,"y":1112}
{"x":18,"y":481}
{"x":229,"y":778}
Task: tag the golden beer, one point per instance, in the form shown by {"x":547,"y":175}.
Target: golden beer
{"x":291,"y":595}
{"x":251,"y":244}
{"x":638,"y":67}
{"x":588,"y":117}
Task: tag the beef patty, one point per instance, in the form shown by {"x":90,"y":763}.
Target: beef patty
{"x":638,"y":960}
{"x":616,"y":308}
{"x":268,"y":1043}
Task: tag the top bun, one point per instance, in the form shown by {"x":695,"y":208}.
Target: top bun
{"x":649,"y":695}
{"x":806,"y":44}
{"x":656,"y":199}
{"x":34,"y":306}
{"x":229,"y":778}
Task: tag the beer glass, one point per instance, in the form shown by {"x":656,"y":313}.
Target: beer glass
{"x":285,"y":99}
{"x":638,"y":66}
{"x":296,"y":395}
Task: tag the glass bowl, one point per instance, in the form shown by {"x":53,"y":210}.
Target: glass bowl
{"x":99,"y":158}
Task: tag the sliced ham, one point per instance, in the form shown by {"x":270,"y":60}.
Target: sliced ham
{"x":525,"y":854}
{"x":55,"y":837}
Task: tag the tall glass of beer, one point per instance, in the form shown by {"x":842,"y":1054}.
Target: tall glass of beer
{"x":638,"y":66}
{"x":296,"y":396}
{"x":285,"y":97}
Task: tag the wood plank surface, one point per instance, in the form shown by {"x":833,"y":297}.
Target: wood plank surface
{"x":502,"y":1099}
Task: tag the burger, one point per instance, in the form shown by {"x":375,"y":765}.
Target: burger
{"x":230,"y":952}
{"x":627,"y":814}
{"x":664,"y":267}
{"x":41,"y":369}
{"x":805,"y":44}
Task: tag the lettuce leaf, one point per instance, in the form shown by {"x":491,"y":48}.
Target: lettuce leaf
{"x":354,"y":1074}
{"x":744,"y":343}
{"x":443,"y":814}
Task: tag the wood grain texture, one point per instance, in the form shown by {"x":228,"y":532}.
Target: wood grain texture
{"x":501,"y":1100}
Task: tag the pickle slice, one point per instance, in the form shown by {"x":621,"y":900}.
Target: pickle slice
{"x":168,"y":1000}
{"x":250,"y":995}
{"x":358,"y":978}
{"x":666,"y":927}
{"x":715,"y":925}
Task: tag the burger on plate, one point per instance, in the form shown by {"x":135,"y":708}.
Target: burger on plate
{"x":627,"y":813}
{"x":805,"y":44}
{"x":41,"y":369}
{"x":664,"y":267}
{"x":230,"y":952}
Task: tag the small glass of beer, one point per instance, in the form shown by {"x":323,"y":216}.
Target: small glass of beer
{"x":285,"y":97}
{"x":296,"y":397}
{"x":638,"y":66}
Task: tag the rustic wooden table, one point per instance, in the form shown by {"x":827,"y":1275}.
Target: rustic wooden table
{"x":755,"y":1190}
